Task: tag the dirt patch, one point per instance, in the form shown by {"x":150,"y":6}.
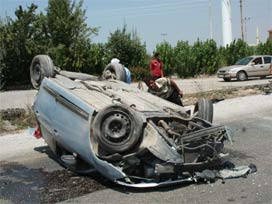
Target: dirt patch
{"x":217,"y":95}
{"x":13,"y":120}
{"x":62,"y":185}
{"x":20,"y":184}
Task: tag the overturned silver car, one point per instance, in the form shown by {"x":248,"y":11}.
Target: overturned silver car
{"x":128,"y":135}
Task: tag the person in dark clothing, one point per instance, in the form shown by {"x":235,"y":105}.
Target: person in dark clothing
{"x":165,"y":88}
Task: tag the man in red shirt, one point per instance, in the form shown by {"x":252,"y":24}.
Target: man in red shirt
{"x":156,"y":66}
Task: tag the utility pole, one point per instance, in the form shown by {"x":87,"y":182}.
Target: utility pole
{"x":163,"y":35}
{"x":210,"y":16}
{"x":245,"y":20}
{"x":242,"y":20}
{"x":257,"y":36}
{"x":226,"y":22}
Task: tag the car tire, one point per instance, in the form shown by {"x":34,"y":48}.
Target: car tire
{"x":41,"y":66}
{"x":204,"y":107}
{"x":117,"y":128}
{"x":227,"y":79}
{"x":241,"y":76}
{"x":117,"y":70}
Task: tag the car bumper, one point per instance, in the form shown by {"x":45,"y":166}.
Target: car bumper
{"x":226,"y":75}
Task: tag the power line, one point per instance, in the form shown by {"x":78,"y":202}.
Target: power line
{"x":156,"y":7}
{"x":136,"y":13}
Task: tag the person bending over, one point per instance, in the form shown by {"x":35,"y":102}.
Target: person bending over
{"x":165,"y":88}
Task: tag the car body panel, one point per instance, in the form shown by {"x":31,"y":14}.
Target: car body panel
{"x":151,"y":185}
{"x":251,"y":69}
{"x":68,"y":128}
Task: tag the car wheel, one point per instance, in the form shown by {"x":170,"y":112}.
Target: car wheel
{"x":41,"y":66}
{"x":117,"y":128}
{"x":117,"y":71}
{"x":204,"y":107}
{"x":241,"y":76}
{"x":227,"y":79}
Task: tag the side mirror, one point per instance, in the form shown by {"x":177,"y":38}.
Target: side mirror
{"x":252,"y":63}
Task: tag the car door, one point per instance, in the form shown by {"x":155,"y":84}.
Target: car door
{"x":254,"y":67}
{"x":267,"y":65}
{"x":72,"y":124}
{"x":258,"y":67}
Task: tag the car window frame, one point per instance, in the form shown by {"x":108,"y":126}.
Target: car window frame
{"x":257,"y":58}
{"x":249,"y":62}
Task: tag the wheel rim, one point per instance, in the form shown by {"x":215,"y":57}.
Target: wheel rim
{"x":113,"y":74}
{"x":116,"y":128}
{"x":37,"y":73}
{"x":242,"y":76}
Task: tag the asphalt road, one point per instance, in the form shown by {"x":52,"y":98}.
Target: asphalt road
{"x":24,"y":162}
{"x":250,"y":118}
{"x":24,"y":99}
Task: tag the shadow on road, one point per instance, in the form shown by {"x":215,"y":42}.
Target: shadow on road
{"x":20,"y":184}
{"x":63,"y":184}
{"x":249,"y":79}
{"x":46,"y":150}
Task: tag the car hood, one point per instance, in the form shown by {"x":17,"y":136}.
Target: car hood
{"x":231,"y":67}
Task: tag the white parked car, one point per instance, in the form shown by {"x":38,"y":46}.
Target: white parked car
{"x":252,"y":66}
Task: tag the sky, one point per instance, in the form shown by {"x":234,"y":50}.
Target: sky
{"x":166,"y":20}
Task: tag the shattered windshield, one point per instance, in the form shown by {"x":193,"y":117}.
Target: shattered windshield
{"x":244,"y":61}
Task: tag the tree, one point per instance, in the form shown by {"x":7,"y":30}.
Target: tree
{"x":62,"y":34}
{"x":236,"y":50}
{"x":127,"y":47}
{"x":167,"y":56}
{"x":69,"y":34}
{"x":182,"y":58}
{"x":197,"y":58}
{"x":94,"y":55}
{"x":210,"y":58}
{"x":265,"y":48}
{"x":18,"y":45}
